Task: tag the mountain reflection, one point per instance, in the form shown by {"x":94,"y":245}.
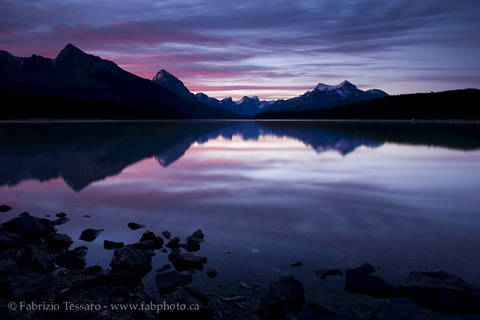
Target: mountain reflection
{"x":82,"y":153}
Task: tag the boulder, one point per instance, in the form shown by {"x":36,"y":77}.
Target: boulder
{"x":151,"y":241}
{"x":73,"y":259}
{"x":23,"y":285}
{"x":360,"y":280}
{"x":59,"y":241}
{"x":135,"y":226}
{"x":109,"y":245}
{"x":7,"y":265}
{"x":29,"y":227}
{"x":188,"y":261}
{"x":442,"y":292}
{"x":90,"y":235}
{"x":60,"y":221}
{"x":42,"y":261}
{"x":5,"y":208}
{"x":297,"y":264}
{"x":168,"y":282}
{"x":61,"y":215}
{"x":133,"y":259}
{"x":283,"y":300}
{"x":173,"y":243}
{"x":191,"y":245}
{"x":11,"y":240}
{"x":166,"y":234}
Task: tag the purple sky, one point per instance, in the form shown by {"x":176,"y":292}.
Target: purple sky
{"x":272,"y":49}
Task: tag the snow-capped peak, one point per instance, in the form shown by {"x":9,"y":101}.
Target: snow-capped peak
{"x":323,"y":87}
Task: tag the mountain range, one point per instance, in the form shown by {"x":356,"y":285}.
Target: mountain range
{"x":77,"y":85}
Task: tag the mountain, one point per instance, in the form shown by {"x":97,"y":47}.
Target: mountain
{"x":248,"y":106}
{"x":79,"y":85}
{"x":324,"y":96}
{"x":172,"y":83}
{"x":320,"y":97}
{"x":455,"y":104}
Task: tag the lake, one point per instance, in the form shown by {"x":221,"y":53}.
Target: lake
{"x":401,"y":196}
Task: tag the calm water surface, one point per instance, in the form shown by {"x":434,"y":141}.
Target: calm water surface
{"x":331,"y":195}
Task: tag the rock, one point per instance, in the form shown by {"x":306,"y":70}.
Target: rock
{"x":93,"y":269}
{"x":59,"y":241}
{"x":108,"y":245}
{"x":164,"y":250}
{"x":168,"y":282}
{"x":297,"y":264}
{"x":320,"y":310}
{"x":197,"y":295}
{"x":135,"y":226}
{"x":328,"y":272}
{"x":7,"y":265}
{"x":232,"y":299}
{"x":5,"y":208}
{"x":29,"y":227}
{"x":86,"y":216}
{"x":41,"y":260}
{"x":133,"y":259}
{"x":198,"y":234}
{"x":61,"y":215}
{"x":366,"y":268}
{"x":90,"y":235}
{"x":11,"y":240}
{"x":60,"y":221}
{"x":360,"y":280}
{"x":442,"y":292}
{"x":187,"y":261}
{"x":283,"y":300}
{"x":228,"y":251}
{"x":173,"y":243}
{"x":166,"y":234}
{"x":151,"y":241}
{"x":73,"y":259}
{"x":184,"y":296}
{"x":164,"y":268}
{"x":191,"y":245}
{"x":23,"y":285}
{"x":212,"y":272}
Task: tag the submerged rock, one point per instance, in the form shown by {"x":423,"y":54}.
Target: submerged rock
{"x":73,"y":259}
{"x":5,"y":208}
{"x":135,"y":226}
{"x":360,"y":280}
{"x":164,"y":268}
{"x":168,"y":282}
{"x":29,"y":227}
{"x":90,"y":235}
{"x":297,"y":264}
{"x":442,"y":292}
{"x":61,"y":215}
{"x":212,"y":272}
{"x":283,"y":300}
{"x":328,"y":272}
{"x":133,"y":259}
{"x":60,"y":221}
{"x":109,"y":245}
{"x":188,"y":261}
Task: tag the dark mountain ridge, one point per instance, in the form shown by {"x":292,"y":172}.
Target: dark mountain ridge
{"x":455,"y":104}
{"x":79,"y":85}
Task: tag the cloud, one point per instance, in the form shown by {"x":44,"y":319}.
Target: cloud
{"x":270,"y":43}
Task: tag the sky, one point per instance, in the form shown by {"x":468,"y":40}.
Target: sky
{"x":270,"y":48}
